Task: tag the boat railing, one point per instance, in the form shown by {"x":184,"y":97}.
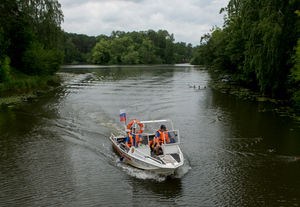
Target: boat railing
{"x":123,"y":146}
{"x":112,"y":136}
{"x":152,"y":158}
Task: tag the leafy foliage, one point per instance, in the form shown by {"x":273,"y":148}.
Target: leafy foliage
{"x":256,"y":45}
{"x":135,"y":48}
{"x":78,"y":47}
{"x":41,"y":62}
{"x":4,"y":59}
{"x":144,"y":47}
{"x":30,"y":37}
{"x":4,"y":69}
{"x":295,"y":73}
{"x":100,"y":53}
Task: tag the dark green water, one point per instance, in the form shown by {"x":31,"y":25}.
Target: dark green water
{"x":55,"y":149}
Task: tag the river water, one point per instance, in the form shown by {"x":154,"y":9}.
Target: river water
{"x":55,"y":148}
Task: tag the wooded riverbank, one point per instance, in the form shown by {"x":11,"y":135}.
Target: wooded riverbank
{"x":259,"y":46}
{"x":282,"y":107}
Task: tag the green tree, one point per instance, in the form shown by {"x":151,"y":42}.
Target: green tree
{"x":116,"y":49}
{"x":213,"y":49}
{"x":144,"y":47}
{"x":71,"y":52}
{"x":117,"y":34}
{"x":161,"y":43}
{"x":189,"y":51}
{"x":101,"y":52}
{"x":169,"y":53}
{"x":25,"y":22}
{"x":83,"y":43}
{"x":295,"y":73}
{"x":130,"y":57}
{"x":4,"y":69}
{"x":295,"y":76}
{"x":233,"y":9}
{"x":78,"y":47}
{"x":41,"y":62}
{"x":44,"y":18}
{"x":199,"y":57}
{"x":270,"y":29}
{"x":4,"y":59}
{"x":181,"y":51}
{"x":255,"y":45}
{"x":147,"y":53}
{"x":119,"y":47}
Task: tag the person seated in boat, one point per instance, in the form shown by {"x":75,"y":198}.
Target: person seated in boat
{"x":159,"y":138}
{"x":132,"y":138}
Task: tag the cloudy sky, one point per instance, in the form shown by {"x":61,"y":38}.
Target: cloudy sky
{"x":188,"y":20}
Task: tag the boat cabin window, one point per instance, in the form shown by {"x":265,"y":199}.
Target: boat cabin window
{"x":171,"y":137}
{"x":143,"y":140}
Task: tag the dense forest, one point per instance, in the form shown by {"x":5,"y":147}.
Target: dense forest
{"x":144,"y":47}
{"x":33,"y":45}
{"x":30,"y":42}
{"x":259,"y":46}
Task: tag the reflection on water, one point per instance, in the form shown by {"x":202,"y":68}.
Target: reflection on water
{"x":55,"y":149}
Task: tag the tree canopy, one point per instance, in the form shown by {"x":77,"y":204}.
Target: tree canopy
{"x":256,"y":45}
{"x":144,"y":47}
{"x":30,"y":36}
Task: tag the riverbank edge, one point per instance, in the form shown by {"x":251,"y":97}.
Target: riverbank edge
{"x":283,"y":107}
{"x":13,"y":98}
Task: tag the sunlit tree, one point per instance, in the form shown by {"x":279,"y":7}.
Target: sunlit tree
{"x":101,"y":52}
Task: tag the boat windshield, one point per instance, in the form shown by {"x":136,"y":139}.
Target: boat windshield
{"x":171,"y":137}
{"x":142,"y":140}
{"x":153,"y":126}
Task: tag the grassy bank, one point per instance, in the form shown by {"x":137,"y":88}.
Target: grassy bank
{"x":19,"y":82}
{"x":20,"y":87}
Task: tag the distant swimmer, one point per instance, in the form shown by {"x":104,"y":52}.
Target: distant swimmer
{"x":272,"y":150}
{"x":258,"y":139}
{"x":297,"y":158}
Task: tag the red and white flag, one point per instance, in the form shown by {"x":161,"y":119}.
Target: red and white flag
{"x":122,"y":115}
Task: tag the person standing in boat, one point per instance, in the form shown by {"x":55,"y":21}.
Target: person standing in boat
{"x":132,"y":138}
{"x":159,"y":138}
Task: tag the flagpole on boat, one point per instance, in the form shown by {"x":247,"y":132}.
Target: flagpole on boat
{"x":123,"y":118}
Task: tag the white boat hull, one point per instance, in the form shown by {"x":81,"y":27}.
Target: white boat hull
{"x":165,"y":164}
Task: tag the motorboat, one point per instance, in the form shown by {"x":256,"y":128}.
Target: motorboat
{"x":141,"y":153}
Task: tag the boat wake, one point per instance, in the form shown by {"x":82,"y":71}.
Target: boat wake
{"x":183,"y":169}
{"x":138,"y":173}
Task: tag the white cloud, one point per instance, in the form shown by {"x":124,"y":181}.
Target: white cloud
{"x":188,"y":20}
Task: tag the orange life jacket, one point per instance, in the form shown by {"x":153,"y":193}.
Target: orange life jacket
{"x":161,"y":137}
{"x":137,"y":139}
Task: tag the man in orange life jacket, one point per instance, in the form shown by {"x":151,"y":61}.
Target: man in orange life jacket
{"x":159,"y":138}
{"x":132,"y":138}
